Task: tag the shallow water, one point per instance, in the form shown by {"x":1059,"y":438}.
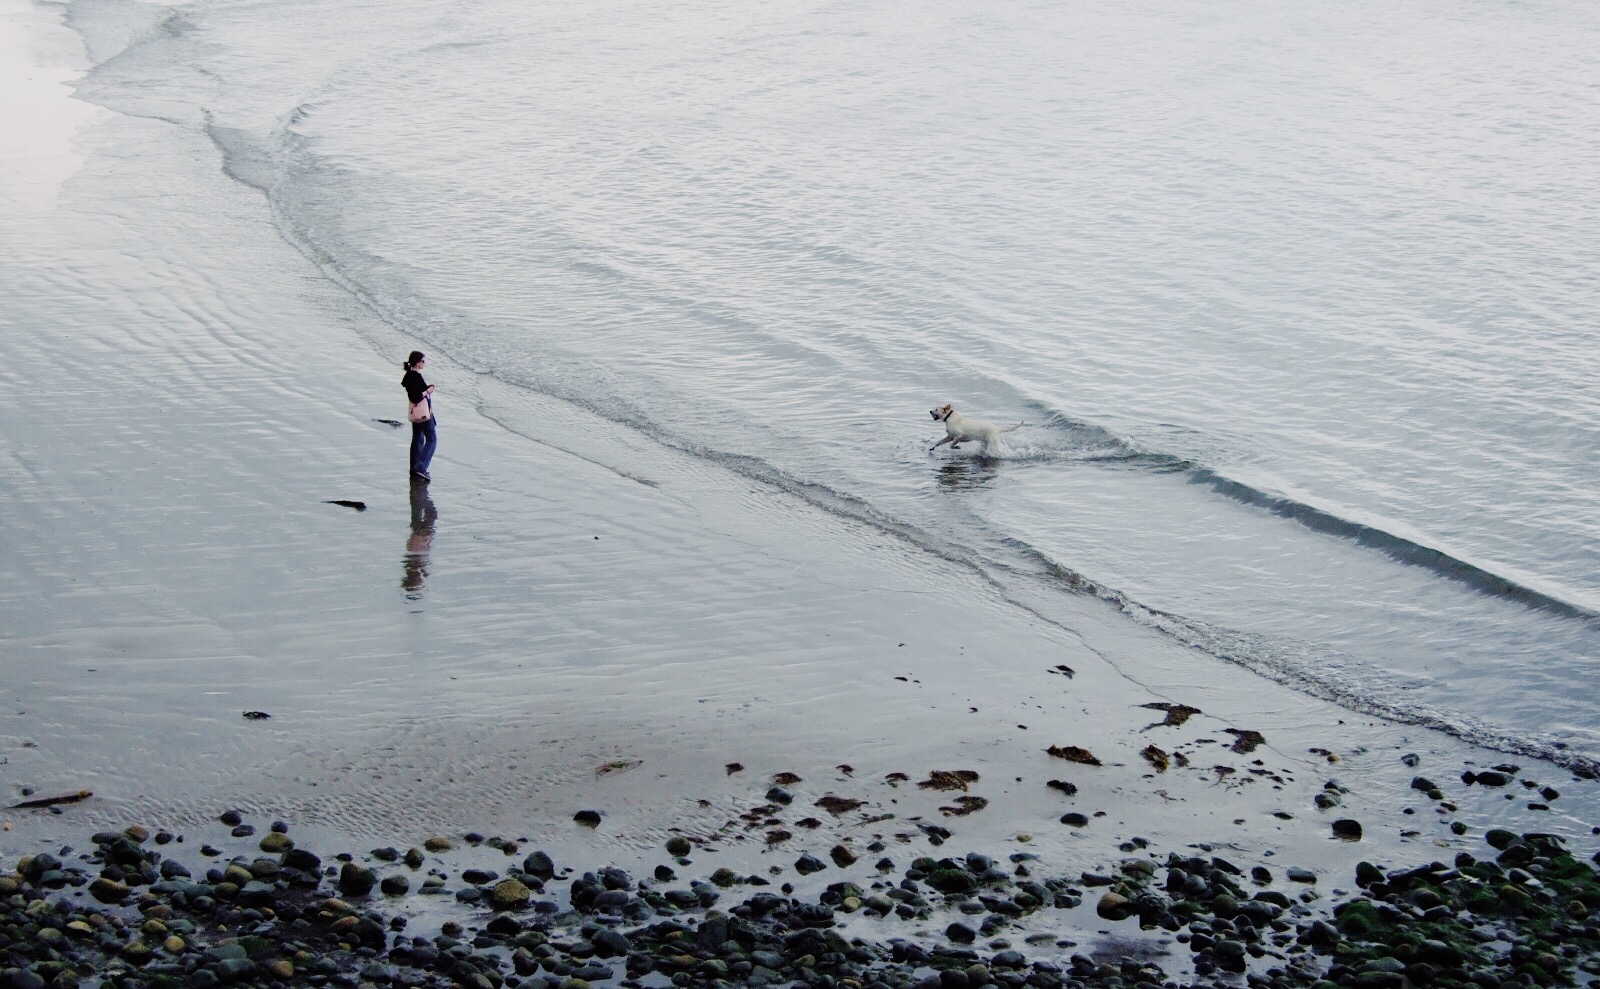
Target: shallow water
{"x":1296,"y":302}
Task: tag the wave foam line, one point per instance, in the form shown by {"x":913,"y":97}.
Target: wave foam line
{"x":1110,"y":447}
{"x":1261,"y":656}
{"x":1395,"y":547}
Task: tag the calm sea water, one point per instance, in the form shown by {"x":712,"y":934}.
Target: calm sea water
{"x":1298,"y":301}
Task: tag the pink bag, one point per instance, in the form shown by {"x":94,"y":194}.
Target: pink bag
{"x":421,"y":411}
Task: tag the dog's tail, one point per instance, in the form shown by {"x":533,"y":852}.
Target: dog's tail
{"x":1012,"y":429}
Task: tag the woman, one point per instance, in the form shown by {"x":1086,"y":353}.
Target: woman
{"x":424,"y":434}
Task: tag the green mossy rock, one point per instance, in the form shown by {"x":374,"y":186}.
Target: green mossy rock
{"x":1357,"y":920}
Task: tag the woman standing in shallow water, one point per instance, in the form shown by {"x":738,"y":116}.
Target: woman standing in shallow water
{"x":424,"y":434}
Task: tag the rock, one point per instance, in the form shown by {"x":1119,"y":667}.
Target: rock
{"x":1357,"y":919}
{"x":1114,"y":906}
{"x":1074,"y":819}
{"x":355,"y":880}
{"x":779,"y":795}
{"x":1499,"y":838}
{"x":608,"y":943}
{"x":1516,"y":855}
{"x":842,"y":856}
{"x":1440,"y":952}
{"x":1490,"y":777}
{"x":539,"y":865}
{"x":395,"y":885}
{"x":956,"y":882}
{"x":438,"y":843}
{"x":587,"y":818}
{"x":234,"y":969}
{"x":678,"y":846}
{"x":203,"y":978}
{"x":960,"y":933}
{"x":1347,"y":829}
{"x":256,"y":893}
{"x":108,"y":890}
{"x":276,"y":843}
{"x":1230,"y":955}
{"x":1298,"y":875}
{"x":32,"y":867}
{"x":22,"y":978}
{"x":1321,"y":933}
{"x":1368,"y":874}
{"x":807,"y":864}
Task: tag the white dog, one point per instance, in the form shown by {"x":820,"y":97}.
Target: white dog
{"x":960,"y":429}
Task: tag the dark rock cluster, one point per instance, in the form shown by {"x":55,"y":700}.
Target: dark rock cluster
{"x":125,"y":915}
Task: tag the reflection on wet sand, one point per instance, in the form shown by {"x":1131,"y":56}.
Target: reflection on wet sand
{"x":423,"y":517}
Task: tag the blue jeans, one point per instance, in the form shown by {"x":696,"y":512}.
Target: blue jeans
{"x":424,"y":437}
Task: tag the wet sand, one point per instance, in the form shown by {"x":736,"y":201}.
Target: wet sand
{"x":569,"y":618}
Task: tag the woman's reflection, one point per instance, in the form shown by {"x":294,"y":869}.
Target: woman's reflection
{"x":423,"y":517}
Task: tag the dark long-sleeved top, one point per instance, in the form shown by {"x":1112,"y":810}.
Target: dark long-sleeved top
{"x":414,"y":385}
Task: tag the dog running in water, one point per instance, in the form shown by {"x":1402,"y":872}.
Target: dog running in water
{"x":961,"y":429}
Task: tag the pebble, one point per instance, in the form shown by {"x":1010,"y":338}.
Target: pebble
{"x":193,"y":932}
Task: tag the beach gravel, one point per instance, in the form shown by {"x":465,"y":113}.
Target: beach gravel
{"x":1518,"y":915}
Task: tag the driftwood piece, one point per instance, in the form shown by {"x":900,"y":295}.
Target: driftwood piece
{"x":65,"y":798}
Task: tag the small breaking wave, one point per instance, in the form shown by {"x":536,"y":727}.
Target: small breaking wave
{"x":1088,"y":442}
{"x":1319,"y":673}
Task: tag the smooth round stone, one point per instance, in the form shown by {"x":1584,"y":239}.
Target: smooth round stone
{"x":960,"y":934}
{"x":276,"y":843}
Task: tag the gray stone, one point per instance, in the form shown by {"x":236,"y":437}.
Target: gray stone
{"x":807,"y":864}
{"x":539,"y":865}
{"x":608,"y":943}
